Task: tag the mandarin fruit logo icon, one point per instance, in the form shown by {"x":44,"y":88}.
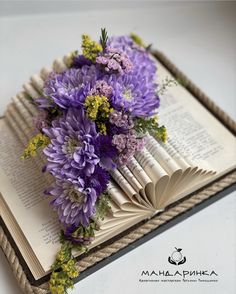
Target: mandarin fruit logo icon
{"x":177,"y":257}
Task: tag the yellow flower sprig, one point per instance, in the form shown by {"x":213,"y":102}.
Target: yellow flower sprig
{"x":62,"y":280}
{"x":150,"y":125}
{"x":140,"y":42}
{"x":38,"y":141}
{"x":59,"y":283}
{"x":90,"y":48}
{"x":97,"y":106}
{"x":98,"y":109}
{"x":137,"y":40}
{"x":70,"y":269}
{"x":64,"y":267}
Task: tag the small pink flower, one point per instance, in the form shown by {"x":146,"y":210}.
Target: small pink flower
{"x":119,"y":141}
{"x":101,"y":88}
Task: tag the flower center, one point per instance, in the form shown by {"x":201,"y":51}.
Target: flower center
{"x":127,"y":94}
{"x":70,"y":145}
{"x":76,"y":196}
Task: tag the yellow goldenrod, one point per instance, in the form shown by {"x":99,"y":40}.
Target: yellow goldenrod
{"x":161,"y":134}
{"x":34,"y":144}
{"x":137,"y":40}
{"x":97,"y":107}
{"x":60,"y":282}
{"x":70,"y":269}
{"x":63,"y":255}
{"x":90,"y":48}
{"x":102,"y":128}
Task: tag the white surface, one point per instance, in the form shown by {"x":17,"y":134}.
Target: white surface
{"x":200,"y":39}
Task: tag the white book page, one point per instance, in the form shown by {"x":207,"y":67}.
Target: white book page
{"x":194,"y":130}
{"x":155,"y":171}
{"x":200,"y":139}
{"x":22,"y":186}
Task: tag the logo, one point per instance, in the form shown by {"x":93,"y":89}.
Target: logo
{"x":176,"y":257}
{"x":184,"y":274}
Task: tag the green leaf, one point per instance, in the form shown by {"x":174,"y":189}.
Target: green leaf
{"x":150,"y":125}
{"x":103,"y":38}
{"x":103,"y":206}
{"x":168,"y":82}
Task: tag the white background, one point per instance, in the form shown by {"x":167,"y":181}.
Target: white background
{"x":200,"y":38}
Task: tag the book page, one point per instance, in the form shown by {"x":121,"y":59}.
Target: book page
{"x":176,"y":169}
{"x":194,"y":130}
{"x":22,"y":186}
{"x":24,"y":131}
{"x":196,"y":134}
{"x":140,"y":196}
{"x":156,"y":172}
{"x":141,"y":176}
{"x":123,"y":203}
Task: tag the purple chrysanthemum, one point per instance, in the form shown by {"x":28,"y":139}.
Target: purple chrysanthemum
{"x":74,"y":203}
{"x":106,"y":152}
{"x":133,"y":93}
{"x":140,"y":58}
{"x":71,"y":153}
{"x":99,"y":180}
{"x":79,"y":61}
{"x":44,"y":103}
{"x":69,"y":88}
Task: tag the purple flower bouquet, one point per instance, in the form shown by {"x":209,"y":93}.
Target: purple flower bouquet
{"x":93,"y":117}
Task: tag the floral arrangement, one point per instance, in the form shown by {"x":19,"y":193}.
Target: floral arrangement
{"x":93,"y":117}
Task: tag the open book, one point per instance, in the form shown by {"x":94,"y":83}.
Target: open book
{"x":199,"y":150}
